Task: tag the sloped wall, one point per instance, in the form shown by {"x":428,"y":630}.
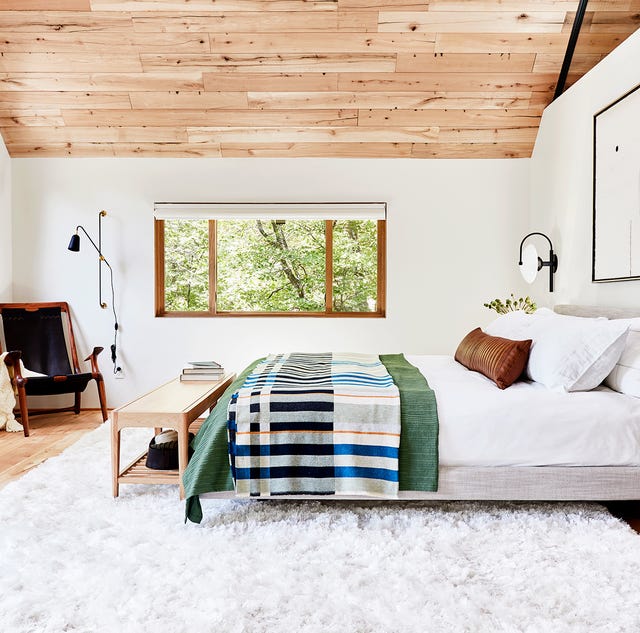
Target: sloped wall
{"x":562,"y":179}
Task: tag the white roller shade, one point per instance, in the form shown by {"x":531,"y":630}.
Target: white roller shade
{"x":270,"y":211}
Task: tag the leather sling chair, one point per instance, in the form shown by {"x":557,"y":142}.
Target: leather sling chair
{"x":35,"y":333}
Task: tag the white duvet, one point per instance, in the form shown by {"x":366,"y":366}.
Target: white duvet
{"x":526,"y":424}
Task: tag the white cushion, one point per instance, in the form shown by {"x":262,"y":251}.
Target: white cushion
{"x":625,"y":376}
{"x":568,"y":353}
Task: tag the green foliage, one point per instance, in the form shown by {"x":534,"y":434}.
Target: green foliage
{"x":511,"y":304}
{"x":355,"y":265}
{"x":186,"y":247}
{"x":271,"y":265}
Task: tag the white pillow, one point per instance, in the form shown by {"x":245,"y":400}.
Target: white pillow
{"x":519,"y":325}
{"x":625,"y":376}
{"x":568,"y":353}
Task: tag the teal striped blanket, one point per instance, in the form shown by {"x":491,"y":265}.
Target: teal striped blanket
{"x":315,"y":424}
{"x":208,"y":470}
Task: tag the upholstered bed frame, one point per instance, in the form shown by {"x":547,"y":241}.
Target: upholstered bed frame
{"x":540,"y":483}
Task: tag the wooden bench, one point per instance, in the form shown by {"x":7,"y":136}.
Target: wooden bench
{"x":174,"y":405}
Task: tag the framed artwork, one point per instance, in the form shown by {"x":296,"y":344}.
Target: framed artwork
{"x":616,"y":190}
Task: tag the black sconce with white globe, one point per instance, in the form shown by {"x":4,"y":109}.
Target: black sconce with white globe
{"x":530,"y":263}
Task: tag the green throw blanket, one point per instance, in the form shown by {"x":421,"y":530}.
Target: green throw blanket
{"x":209,"y":471}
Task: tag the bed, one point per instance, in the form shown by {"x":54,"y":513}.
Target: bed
{"x":526,"y":442}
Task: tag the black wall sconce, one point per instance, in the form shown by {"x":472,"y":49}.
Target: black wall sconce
{"x":530,"y":263}
{"x":74,"y":245}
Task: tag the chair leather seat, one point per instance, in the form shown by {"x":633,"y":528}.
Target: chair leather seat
{"x":53,"y":385}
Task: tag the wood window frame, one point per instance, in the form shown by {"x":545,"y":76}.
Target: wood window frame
{"x":159,"y":257}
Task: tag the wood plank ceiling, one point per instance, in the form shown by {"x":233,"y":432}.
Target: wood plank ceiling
{"x":374,"y":78}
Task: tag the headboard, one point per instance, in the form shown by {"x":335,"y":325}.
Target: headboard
{"x":597,"y":311}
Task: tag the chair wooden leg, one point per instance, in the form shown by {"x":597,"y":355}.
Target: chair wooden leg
{"x":76,"y":403}
{"x":103,"y":400}
{"x":24,"y":411}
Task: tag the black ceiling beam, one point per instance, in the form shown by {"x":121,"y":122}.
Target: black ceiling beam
{"x":571,"y":47}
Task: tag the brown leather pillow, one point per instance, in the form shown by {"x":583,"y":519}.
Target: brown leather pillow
{"x":500,"y":359}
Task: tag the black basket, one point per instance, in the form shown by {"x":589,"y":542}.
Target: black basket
{"x":165,"y":456}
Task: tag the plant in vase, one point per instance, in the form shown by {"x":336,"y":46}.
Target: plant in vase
{"x":511,"y":304}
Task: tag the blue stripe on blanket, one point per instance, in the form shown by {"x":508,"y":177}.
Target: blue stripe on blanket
{"x":265,"y":450}
{"x":301,"y":472}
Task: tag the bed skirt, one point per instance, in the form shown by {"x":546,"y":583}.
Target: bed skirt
{"x":521,"y":483}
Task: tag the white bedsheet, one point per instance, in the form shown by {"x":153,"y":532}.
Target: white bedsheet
{"x":526,"y":424}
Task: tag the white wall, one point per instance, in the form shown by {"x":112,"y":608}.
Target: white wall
{"x":5,"y":224}
{"x":562,"y":178}
{"x":453,"y":228}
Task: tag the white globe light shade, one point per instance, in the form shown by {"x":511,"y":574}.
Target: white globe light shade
{"x":529,"y":267}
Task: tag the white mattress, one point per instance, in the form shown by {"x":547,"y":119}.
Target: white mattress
{"x":526,"y":424}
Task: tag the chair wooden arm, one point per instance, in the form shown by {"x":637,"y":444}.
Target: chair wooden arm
{"x":12,"y":359}
{"x":93,"y":357}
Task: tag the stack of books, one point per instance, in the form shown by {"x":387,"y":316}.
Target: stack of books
{"x":202,"y":370}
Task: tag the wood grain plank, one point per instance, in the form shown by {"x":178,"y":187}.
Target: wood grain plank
{"x":362,"y":134}
{"x":471,"y":22}
{"x":312,"y":135}
{"x":217,"y":6}
{"x":384,"y":100}
{"x":188,"y":100}
{"x":615,"y":22}
{"x":446,"y":82}
{"x":38,"y":100}
{"x":113,"y":134}
{"x":89,"y":42}
{"x":280,"y":82}
{"x":382,"y":5}
{"x":98,"y":82}
{"x":358,"y":21}
{"x":196,"y":118}
{"x":524,"y":5}
{"x":176,"y":150}
{"x":472,"y":150}
{"x":60,"y":150}
{"x":270,"y":63}
{"x":20,"y":117}
{"x":321,"y":43}
{"x":43,"y":5}
{"x":554,"y":43}
{"x":63,"y":22}
{"x":318,"y":150}
{"x":466,"y":62}
{"x":581,"y":63}
{"x":92,"y":150}
{"x":462,"y":136}
{"x":477,"y":119}
{"x":69,"y":62}
{"x":239,"y":22}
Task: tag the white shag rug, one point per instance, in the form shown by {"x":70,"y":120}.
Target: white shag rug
{"x":74,"y":560}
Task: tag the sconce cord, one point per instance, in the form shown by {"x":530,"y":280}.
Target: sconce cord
{"x":114,"y":355}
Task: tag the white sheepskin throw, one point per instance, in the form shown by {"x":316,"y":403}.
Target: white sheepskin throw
{"x":8,"y":421}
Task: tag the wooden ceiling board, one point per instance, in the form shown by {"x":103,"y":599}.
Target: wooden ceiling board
{"x":299,"y":78}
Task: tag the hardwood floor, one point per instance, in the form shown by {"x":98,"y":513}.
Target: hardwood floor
{"x":50,"y":435}
{"x":628,"y":511}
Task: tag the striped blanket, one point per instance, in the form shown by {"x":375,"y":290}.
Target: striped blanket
{"x":321,"y":424}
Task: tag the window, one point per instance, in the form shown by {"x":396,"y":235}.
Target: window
{"x":267,"y":259}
